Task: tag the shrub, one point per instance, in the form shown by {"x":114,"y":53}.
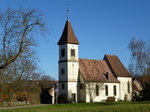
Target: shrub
{"x":62,"y":99}
{"x":22,"y":96}
{"x":110,"y":99}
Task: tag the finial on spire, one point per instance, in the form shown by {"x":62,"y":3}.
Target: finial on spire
{"x":67,"y":14}
{"x":67,"y":11}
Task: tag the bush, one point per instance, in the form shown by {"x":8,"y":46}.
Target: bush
{"x":110,"y":99}
{"x":22,"y":96}
{"x":146,"y":92}
{"x":62,"y":99}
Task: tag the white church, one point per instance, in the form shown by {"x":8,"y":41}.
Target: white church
{"x":89,"y":80}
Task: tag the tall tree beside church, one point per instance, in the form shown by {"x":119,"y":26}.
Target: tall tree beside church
{"x":17,"y":55}
{"x":140,"y":64}
{"x":17,"y":29}
{"x":140,"y":57}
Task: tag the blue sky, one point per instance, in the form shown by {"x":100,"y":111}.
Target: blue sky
{"x":101,"y":26}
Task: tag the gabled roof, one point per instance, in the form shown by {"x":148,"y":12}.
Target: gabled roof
{"x":116,"y":66}
{"x":95,"y":70}
{"x":68,"y":35}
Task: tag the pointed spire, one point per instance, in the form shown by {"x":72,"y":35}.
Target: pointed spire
{"x":68,"y":35}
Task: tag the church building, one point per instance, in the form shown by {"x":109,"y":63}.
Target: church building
{"x":89,"y":80}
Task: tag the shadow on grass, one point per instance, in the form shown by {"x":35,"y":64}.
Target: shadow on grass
{"x":106,"y":103}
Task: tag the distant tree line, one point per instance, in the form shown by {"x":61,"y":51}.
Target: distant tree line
{"x":20,"y":77}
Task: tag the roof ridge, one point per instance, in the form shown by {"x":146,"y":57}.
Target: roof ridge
{"x":91,"y":59}
{"x":110,"y":55}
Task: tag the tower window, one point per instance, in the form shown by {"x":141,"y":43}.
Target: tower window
{"x":73,"y":52}
{"x":106,"y":90}
{"x":81,"y":86}
{"x":128,"y":87}
{"x":62,"y":71}
{"x":115,"y":93}
{"x":62,"y":52}
{"x":97,"y":90}
{"x":63,"y":86}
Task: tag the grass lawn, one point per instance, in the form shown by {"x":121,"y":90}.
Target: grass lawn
{"x":89,"y":107}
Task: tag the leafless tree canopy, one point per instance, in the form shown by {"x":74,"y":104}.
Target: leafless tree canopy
{"x":17,"y":29}
{"x":140,"y":57}
{"x":19,"y":73}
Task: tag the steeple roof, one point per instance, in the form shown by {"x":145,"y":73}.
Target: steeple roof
{"x":68,"y":35}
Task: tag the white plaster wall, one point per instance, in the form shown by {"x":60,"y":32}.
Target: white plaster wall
{"x":73,"y":71}
{"x":72,"y":88}
{"x":102,"y":97}
{"x":124,"y":88}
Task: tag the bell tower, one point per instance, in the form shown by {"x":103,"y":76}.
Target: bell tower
{"x":68,"y":64}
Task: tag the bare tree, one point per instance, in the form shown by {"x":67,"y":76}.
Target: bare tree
{"x":140,"y":57}
{"x":17,"y":80}
{"x":91,"y":89}
{"x":46,"y":82}
{"x":20,"y":72}
{"x":17,"y":29}
{"x":140,"y":64}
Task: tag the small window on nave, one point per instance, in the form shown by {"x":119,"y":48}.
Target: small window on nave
{"x":106,"y":90}
{"x":128,"y":87}
{"x":97,"y":90}
{"x":115,"y":92}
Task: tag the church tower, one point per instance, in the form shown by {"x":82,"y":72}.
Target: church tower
{"x":68,"y":64}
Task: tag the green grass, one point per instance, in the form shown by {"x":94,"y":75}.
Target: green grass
{"x":89,"y":107}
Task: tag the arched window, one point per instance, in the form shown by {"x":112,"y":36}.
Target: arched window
{"x":106,"y":90}
{"x":97,"y":90}
{"x":128,"y":87}
{"x":115,"y":93}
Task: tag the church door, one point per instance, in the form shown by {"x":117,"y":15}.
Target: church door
{"x":73,"y":97}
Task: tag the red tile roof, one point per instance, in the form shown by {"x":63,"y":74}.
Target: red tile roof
{"x":68,"y":35}
{"x":116,"y":66}
{"x":94,"y":70}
